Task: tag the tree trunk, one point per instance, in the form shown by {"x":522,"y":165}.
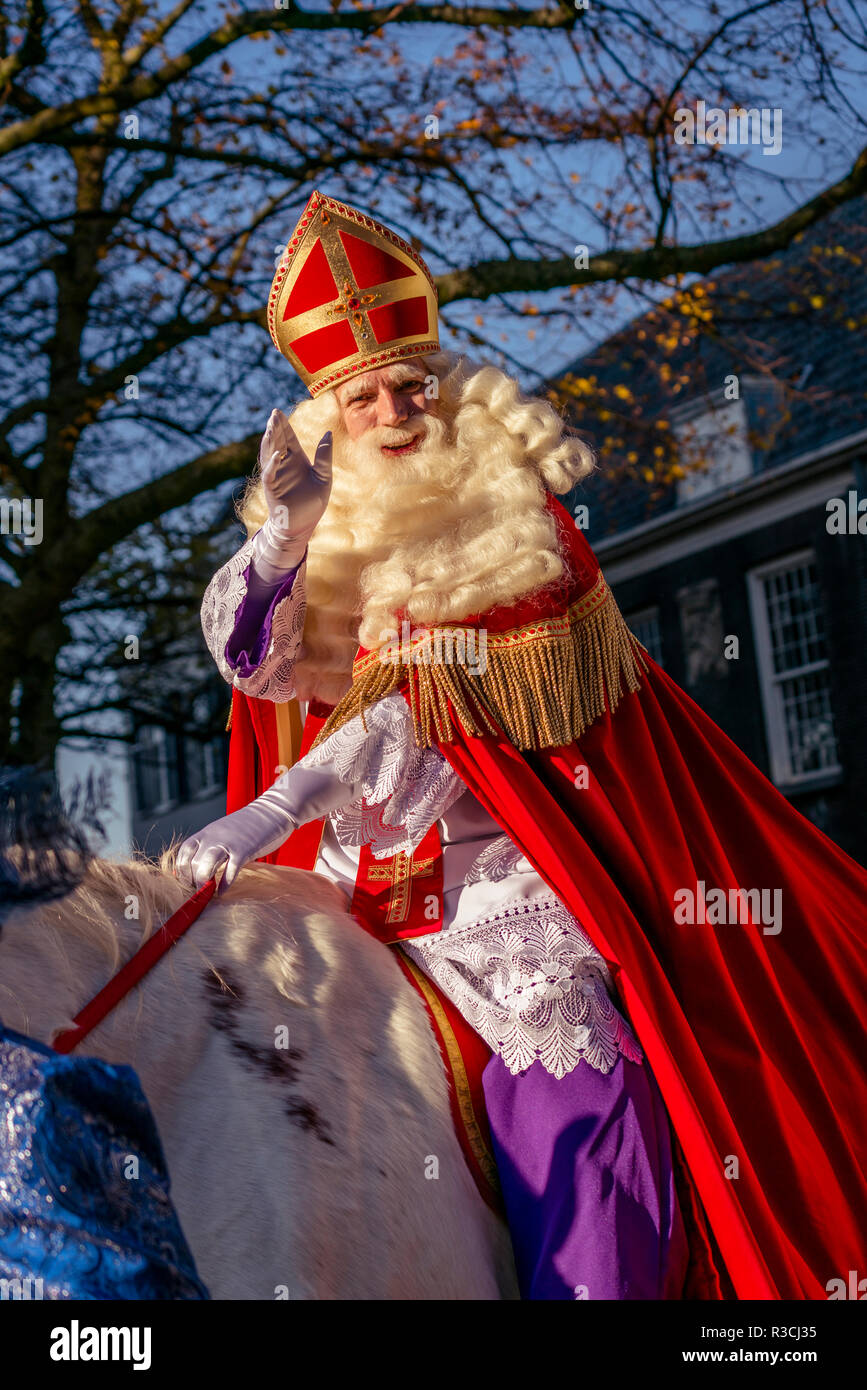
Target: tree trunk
{"x":31,"y":730}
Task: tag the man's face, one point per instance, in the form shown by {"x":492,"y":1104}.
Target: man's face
{"x":390,"y":401}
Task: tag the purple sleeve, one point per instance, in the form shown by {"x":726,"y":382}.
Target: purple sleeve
{"x":251,"y":634}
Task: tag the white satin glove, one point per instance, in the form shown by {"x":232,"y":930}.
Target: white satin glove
{"x":297,"y":493}
{"x":300,"y":795}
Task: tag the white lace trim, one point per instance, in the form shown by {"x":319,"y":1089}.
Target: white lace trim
{"x":496,"y":862}
{"x":405,"y":789}
{"x":274,"y":678}
{"x":533,"y":985}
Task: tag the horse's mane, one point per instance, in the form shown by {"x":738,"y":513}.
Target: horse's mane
{"x":47,"y":863}
{"x":97,"y":908}
{"x":110,"y":893}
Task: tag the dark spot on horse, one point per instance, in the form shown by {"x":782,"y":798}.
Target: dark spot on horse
{"x":308,"y":1118}
{"x":225,"y":996}
{"x":279,"y":1064}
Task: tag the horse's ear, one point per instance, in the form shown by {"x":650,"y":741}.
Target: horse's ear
{"x":43,"y":853}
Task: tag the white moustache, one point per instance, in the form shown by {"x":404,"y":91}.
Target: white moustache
{"x":395,"y":440}
{"x":365,"y":458}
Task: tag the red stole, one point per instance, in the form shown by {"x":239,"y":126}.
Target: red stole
{"x":394,"y":899}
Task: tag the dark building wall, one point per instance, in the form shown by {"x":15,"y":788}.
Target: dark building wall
{"x":151,"y":833}
{"x":730,"y":692}
{"x":843,"y":571}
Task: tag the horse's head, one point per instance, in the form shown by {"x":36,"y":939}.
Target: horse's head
{"x":43,"y":854}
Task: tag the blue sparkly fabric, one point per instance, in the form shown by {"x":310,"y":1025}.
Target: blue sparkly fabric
{"x":72,"y":1215}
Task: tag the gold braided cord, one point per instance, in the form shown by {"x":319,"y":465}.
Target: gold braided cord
{"x":543,"y":684}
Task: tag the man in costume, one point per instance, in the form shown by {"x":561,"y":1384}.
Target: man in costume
{"x":517,"y":798}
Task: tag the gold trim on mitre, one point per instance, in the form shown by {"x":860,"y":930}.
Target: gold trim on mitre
{"x":543,"y":683}
{"x":349,"y":296}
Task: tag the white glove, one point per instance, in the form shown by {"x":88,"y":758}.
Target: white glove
{"x":297,"y":493}
{"x":300,"y":795}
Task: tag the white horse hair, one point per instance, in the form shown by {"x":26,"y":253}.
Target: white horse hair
{"x":297,"y":1171}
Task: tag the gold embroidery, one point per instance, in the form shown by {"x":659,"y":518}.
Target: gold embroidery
{"x":400,"y":872}
{"x":354,"y":304}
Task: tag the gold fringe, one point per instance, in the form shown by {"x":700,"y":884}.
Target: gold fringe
{"x":543,"y":683}
{"x":229,"y":720}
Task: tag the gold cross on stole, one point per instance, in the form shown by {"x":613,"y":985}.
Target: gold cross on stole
{"x":400,"y":872}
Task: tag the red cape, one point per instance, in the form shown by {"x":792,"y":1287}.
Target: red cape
{"x":757,"y":1041}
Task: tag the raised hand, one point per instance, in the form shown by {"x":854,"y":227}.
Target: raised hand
{"x":297,"y":493}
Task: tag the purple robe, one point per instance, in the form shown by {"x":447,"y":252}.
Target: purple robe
{"x":586,"y":1171}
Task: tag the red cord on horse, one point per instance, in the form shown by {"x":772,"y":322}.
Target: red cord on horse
{"x":135,"y":969}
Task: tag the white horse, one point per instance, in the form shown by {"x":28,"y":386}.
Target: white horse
{"x":296,"y":1083}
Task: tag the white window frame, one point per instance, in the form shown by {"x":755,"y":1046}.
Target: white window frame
{"x":771,"y":682}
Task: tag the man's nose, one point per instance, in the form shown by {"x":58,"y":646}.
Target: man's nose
{"x":390,"y":408}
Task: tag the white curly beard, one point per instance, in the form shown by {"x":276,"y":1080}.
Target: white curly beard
{"x":447,"y":531}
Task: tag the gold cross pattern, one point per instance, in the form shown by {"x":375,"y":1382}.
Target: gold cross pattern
{"x":400,"y":872}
